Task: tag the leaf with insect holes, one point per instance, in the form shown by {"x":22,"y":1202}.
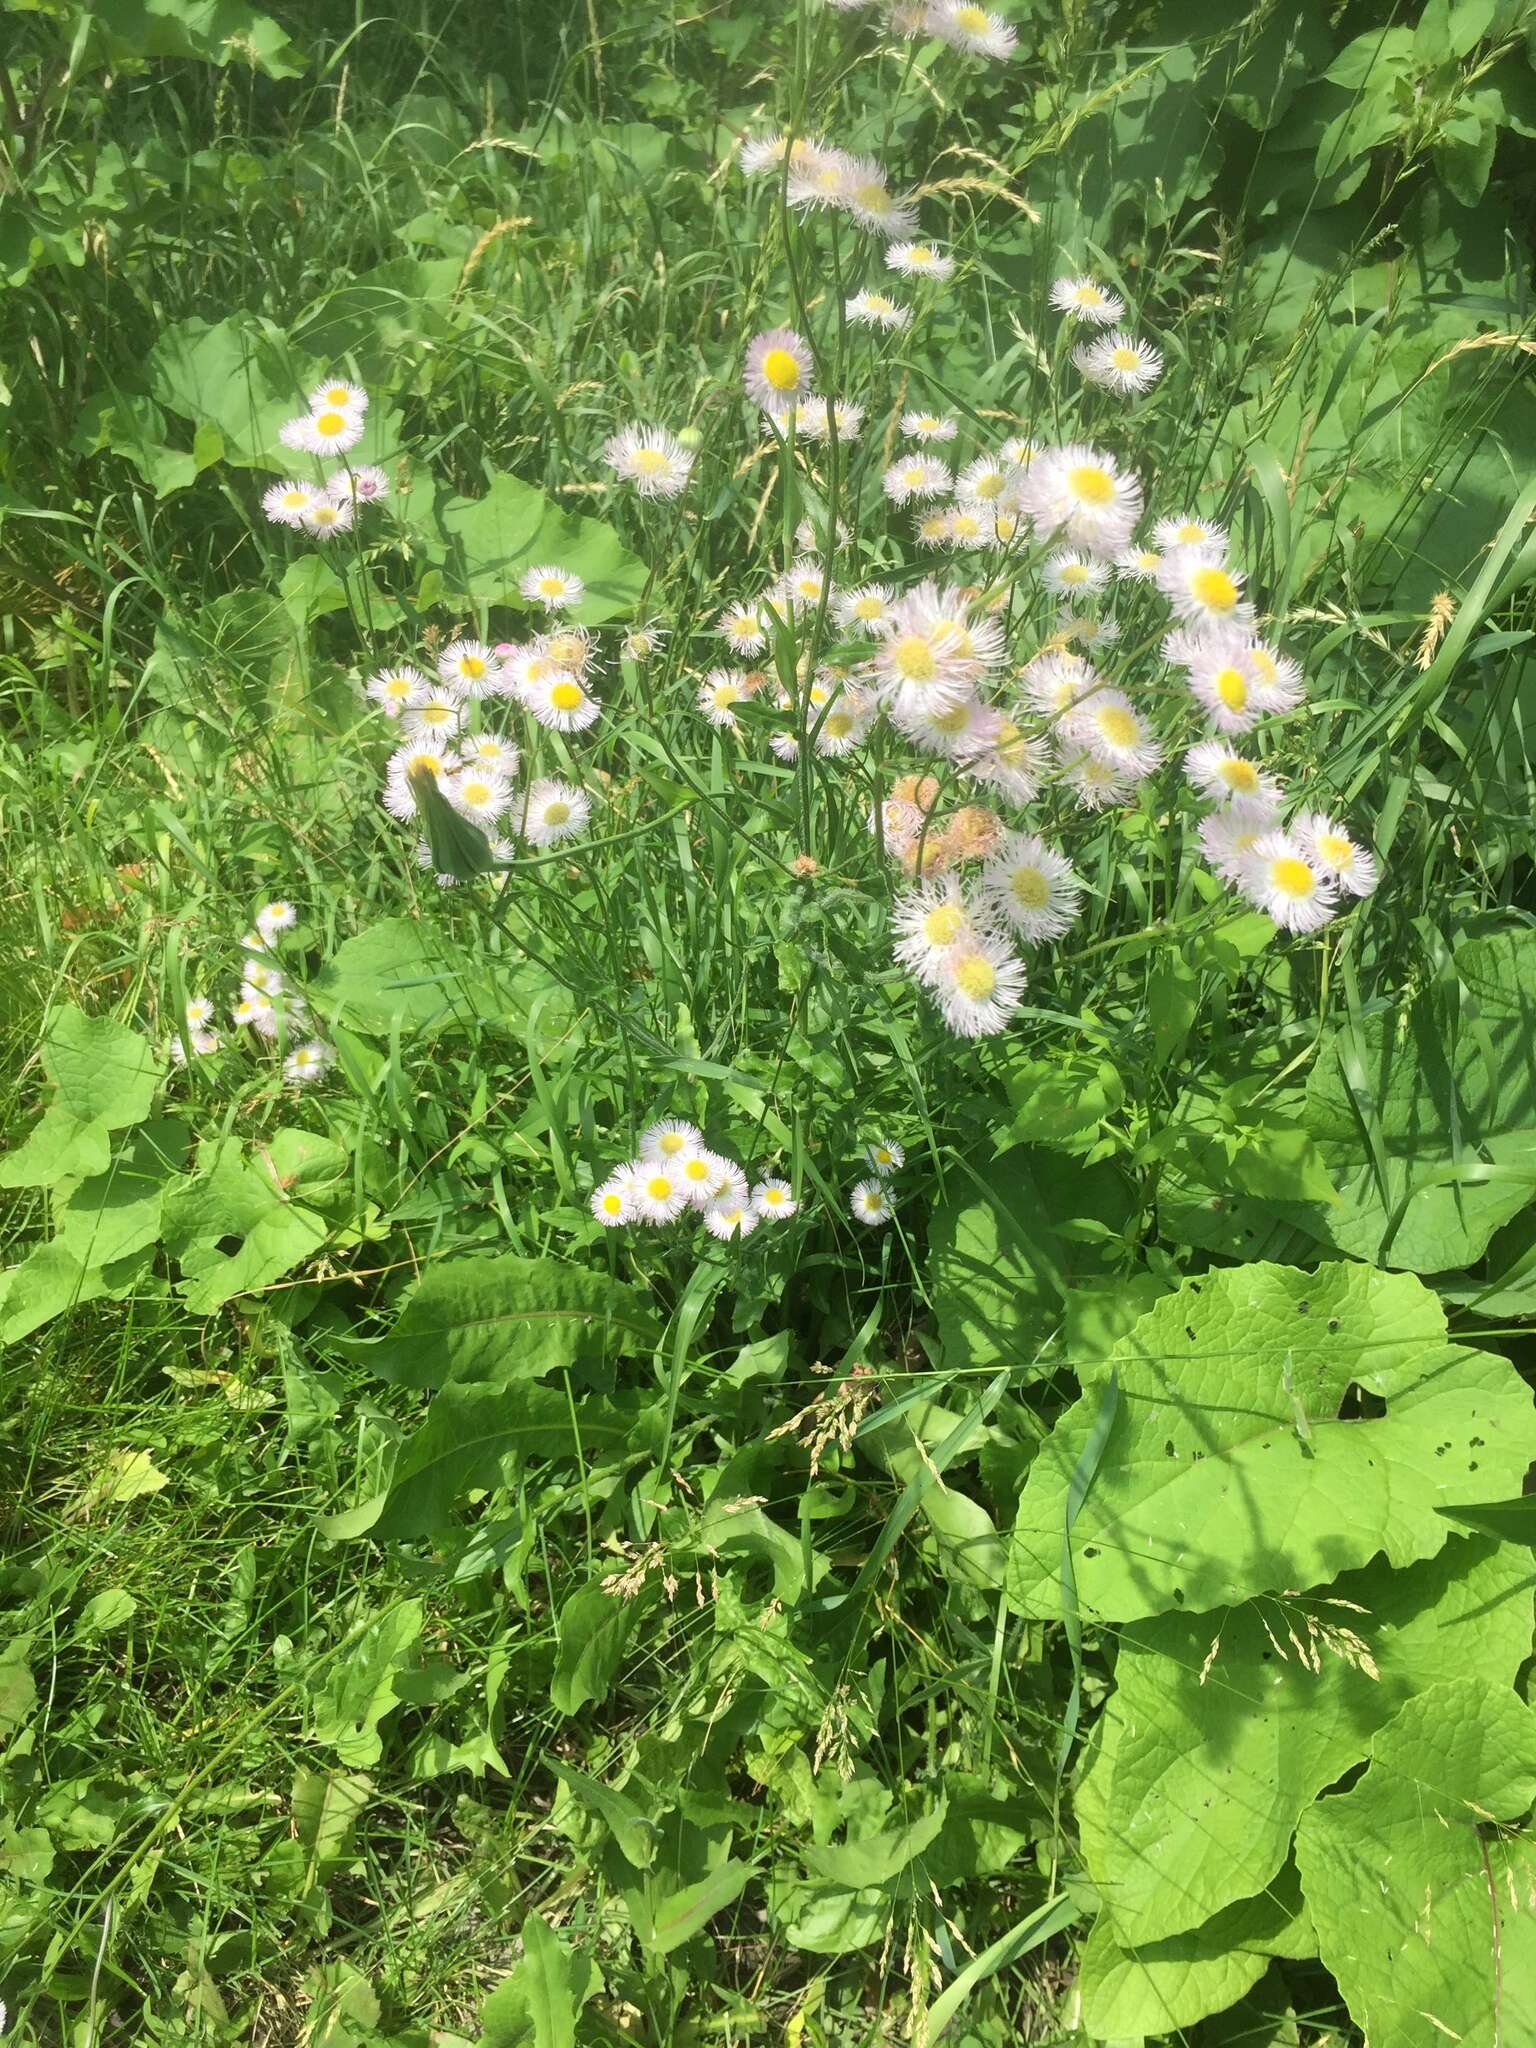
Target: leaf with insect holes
{"x":1223,"y":1728}
{"x":254,"y":1199}
{"x":1423,"y":1904}
{"x":1234,"y":1465}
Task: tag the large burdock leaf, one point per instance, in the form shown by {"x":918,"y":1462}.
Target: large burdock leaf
{"x":1239,"y":1461}
{"x":1224,"y":1728}
{"x":104,"y":1077}
{"x":1425,"y":1911}
{"x":242,"y":1221}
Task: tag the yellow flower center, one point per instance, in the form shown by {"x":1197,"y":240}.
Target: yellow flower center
{"x":871,"y":197}
{"x":472,"y":667}
{"x":330,"y":424}
{"x":953,"y":721}
{"x":912,"y":476}
{"x":1232,"y":690}
{"x":877,"y":302}
{"x":1118,"y":725}
{"x":325,"y":515}
{"x":1213,"y":589}
{"x":565,"y":696}
{"x":1292,"y":878}
{"x":1264,"y":662}
{"x":975,"y":977}
{"x":613,"y":1205}
{"x":1189,"y":533}
{"x":437,"y":714}
{"x":671,"y":1142}
{"x":928,"y":423}
{"x":874,"y":1201}
{"x":659,"y":1188}
{"x":1241,"y":776}
{"x":1088,"y":295}
{"x":781,"y":370}
{"x":551,"y":586}
{"x":426,"y":764}
{"x":964,"y":525}
{"x":650,"y":461}
{"x":972,"y":19}
{"x":913,"y":659}
{"x":773,"y":1198}
{"x":1074,"y":572}
{"x":1125,"y":358}
{"x":838,"y":725}
{"x":1336,"y":849}
{"x":697,"y":1170}
{"x":1029,"y":889}
{"x":941,"y":927}
{"x":293,"y":501}
{"x":1091,"y":483}
{"x":869,"y":608}
{"x":475,"y":792}
{"x":557,"y":814}
{"x":920,"y":253}
{"x":724,"y":695}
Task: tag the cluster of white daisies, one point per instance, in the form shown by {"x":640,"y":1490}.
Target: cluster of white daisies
{"x":972,"y":30}
{"x":333,"y":424}
{"x":675,"y":1173}
{"x":265,"y":1004}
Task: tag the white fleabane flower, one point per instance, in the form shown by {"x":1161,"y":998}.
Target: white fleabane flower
{"x":920,"y":259}
{"x":326,"y":516}
{"x":916,"y":476}
{"x":438,"y":716}
{"x":1348,"y":865}
{"x":774,"y":1200}
{"x":670,"y":1138}
{"x":872,"y":206}
{"x":1281,"y":877}
{"x":417,"y":759}
{"x":803,"y":584}
{"x":398,"y":689}
{"x":659,"y":1194}
{"x":979,"y":987}
{"x":845,"y":724}
{"x":1278,"y":683}
{"x":784,"y":745}
{"x":307,"y":1063}
{"x":1138,"y":565}
{"x":554,"y":811}
{"x":865,"y":609}
{"x":823,"y":177}
{"x":562,"y":703}
{"x":761,"y":154}
{"x":731,"y":1215}
{"x":286,"y":503}
{"x":256,"y":1010}
{"x":338,"y":396}
{"x":204,"y":1043}
{"x":491,"y":753}
{"x":885,"y":1157}
{"x":719,"y":694}
{"x":614,"y":1203}
{"x":650,"y":458}
{"x":1032,"y":887}
{"x":1071,"y":573}
{"x":929,"y":426}
{"x":1084,"y":300}
{"x":643,"y":643}
{"x":555,"y":588}
{"x":1219,"y":772}
{"x":478,"y":794}
{"x":331,"y":430}
{"x":199,"y":1013}
{"x":877,"y":309}
{"x":1118,"y":362}
{"x":988,"y":480}
{"x":470,"y":669}
{"x":972,"y":29}
{"x":870,"y":1203}
{"x":1013,"y":763}
{"x":778,"y":370}
{"x":740,"y":626}
{"x":931,"y":922}
{"x":1096,"y":785}
{"x":1109,"y":726}
{"x":1201,"y":588}
{"x":1059,"y":679}
{"x":277,"y":916}
{"x":1186,"y":531}
{"x":1082,"y":494}
{"x":365,"y":485}
{"x":1228,"y":836}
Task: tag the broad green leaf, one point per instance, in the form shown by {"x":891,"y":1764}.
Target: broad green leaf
{"x":869,"y":1860}
{"x":18,"y":1688}
{"x":539,"y":2004}
{"x":407,"y":976}
{"x":1201,"y":1783}
{"x":326,"y":1807}
{"x":471,"y":1428}
{"x":1513,"y":1520}
{"x":1005,"y":1255}
{"x":495,"y":540}
{"x":124,"y":1476}
{"x":594,"y":1629}
{"x":508,"y":1318}
{"x":50,"y":1280}
{"x":233,"y":1195}
{"x":217,"y":31}
{"x":116,"y":1213}
{"x":634,"y":1834}
{"x":1422,"y":1906}
{"x":1230,"y":1469}
{"x":665,"y":1922}
{"x":1157,"y":1987}
{"x":104,"y":1078}
{"x":355,"y":1689}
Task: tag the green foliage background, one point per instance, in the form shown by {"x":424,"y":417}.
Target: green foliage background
{"x":1099,"y":1608}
